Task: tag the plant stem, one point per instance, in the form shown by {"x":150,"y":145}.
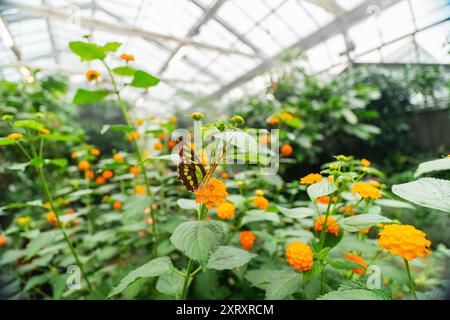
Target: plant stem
{"x":411,"y":280}
{"x":137,"y":147}
{"x":184,"y":292}
{"x":324,"y":226}
{"x":61,"y":225}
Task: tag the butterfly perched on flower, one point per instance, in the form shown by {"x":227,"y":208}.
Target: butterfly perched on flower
{"x":191,"y":170}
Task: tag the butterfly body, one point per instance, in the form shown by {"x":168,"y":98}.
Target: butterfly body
{"x":191,"y":171}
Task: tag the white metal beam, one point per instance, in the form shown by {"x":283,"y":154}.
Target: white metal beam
{"x":119,"y":29}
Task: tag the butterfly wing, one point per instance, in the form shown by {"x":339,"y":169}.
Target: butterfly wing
{"x":191,"y":171}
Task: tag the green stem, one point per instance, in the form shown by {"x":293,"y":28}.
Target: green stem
{"x":411,"y":280}
{"x":61,"y":225}
{"x":184,"y":292}
{"x":137,"y":147}
{"x":324,"y":226}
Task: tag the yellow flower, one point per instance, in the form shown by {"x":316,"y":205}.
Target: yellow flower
{"x":311,"y":178}
{"x":134,"y":170}
{"x":358,"y":259}
{"x":139,"y":122}
{"x":51,"y":217}
{"x":139,"y":189}
{"x":135,"y":135}
{"x":286,"y":116}
{"x":127,"y":57}
{"x":332,"y":226}
{"x":94,"y":152}
{"x":84,"y":165}
{"x":366,"y":190}
{"x":226,"y":210}
{"x":404,"y":241}
{"x":118,"y":157}
{"x":172,"y":119}
{"x":23,"y":220}
{"x":15,"y":136}
{"x":261,"y":202}
{"x":247,"y":239}
{"x":300,"y":256}
{"x":158,"y":145}
{"x":92,"y":75}
{"x":273,"y":120}
{"x":44,"y":131}
{"x":74,"y":155}
{"x":213,"y":194}
{"x":259,"y":193}
{"x":365,"y":163}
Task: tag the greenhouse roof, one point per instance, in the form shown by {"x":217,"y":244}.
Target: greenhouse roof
{"x":213,"y":47}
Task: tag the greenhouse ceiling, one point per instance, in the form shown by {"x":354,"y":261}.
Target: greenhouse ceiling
{"x":218,"y":48}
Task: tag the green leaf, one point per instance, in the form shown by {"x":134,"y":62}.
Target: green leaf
{"x":87,"y":51}
{"x":434,"y":165}
{"x":37,"y":162}
{"x":154,"y":268}
{"x":6,"y":141}
{"x":294,"y":122}
{"x":30,"y":124}
{"x":259,"y":215}
{"x":226,"y":257}
{"x":197,"y":239}
{"x":170,"y":284}
{"x":19,"y":166}
{"x":43,"y":240}
{"x":362,"y":221}
{"x":321,"y":189}
{"x":121,"y":128}
{"x":111,"y":46}
{"x":124,"y":71}
{"x":143,"y":80}
{"x":344,"y":264}
{"x":187,"y":204}
{"x":59,"y":162}
{"x":428,"y":192}
{"x":282,"y":284}
{"x":105,"y":128}
{"x":59,"y":137}
{"x":83,"y":96}
{"x":394,"y":204}
{"x":260,"y":278}
{"x":297,"y":213}
{"x":353,"y":294}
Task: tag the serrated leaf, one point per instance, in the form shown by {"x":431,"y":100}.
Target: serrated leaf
{"x":362,"y":221}
{"x":259,"y":215}
{"x":428,"y":192}
{"x":260,"y":278}
{"x":197,"y":239}
{"x":154,"y":268}
{"x":353,"y":294}
{"x":41,"y":241}
{"x":434,"y":165}
{"x":83,"y":96}
{"x":282,"y":284}
{"x":187,"y":204}
{"x":227,"y":257}
{"x":170,"y":284}
{"x":297,"y":213}
{"x":143,"y":79}
{"x":321,"y":189}
{"x":344,"y":264}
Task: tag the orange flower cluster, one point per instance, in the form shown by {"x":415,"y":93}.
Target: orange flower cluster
{"x":365,"y":163}
{"x":118,"y":158}
{"x":127,"y":57}
{"x":84,"y":165}
{"x":261,"y":202}
{"x":404,"y":241}
{"x":300,"y":256}
{"x":117,"y":205}
{"x":94,"y":152}
{"x":15,"y":136}
{"x":286,"y":116}
{"x":139,"y":189}
{"x":51,"y":218}
{"x":286,"y":150}
{"x":358,"y":259}
{"x":332,"y":226}
{"x":92,"y":75}
{"x":213,"y":194}
{"x":325,"y":200}
{"x":3,"y":241}
{"x":247,"y":239}
{"x":273,"y":120}
{"x":366,"y":190}
{"x":226,"y":210}
{"x":311,"y":178}
{"x":134,"y":170}
{"x":158,"y":145}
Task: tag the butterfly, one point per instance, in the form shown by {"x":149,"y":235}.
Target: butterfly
{"x":191,"y":171}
